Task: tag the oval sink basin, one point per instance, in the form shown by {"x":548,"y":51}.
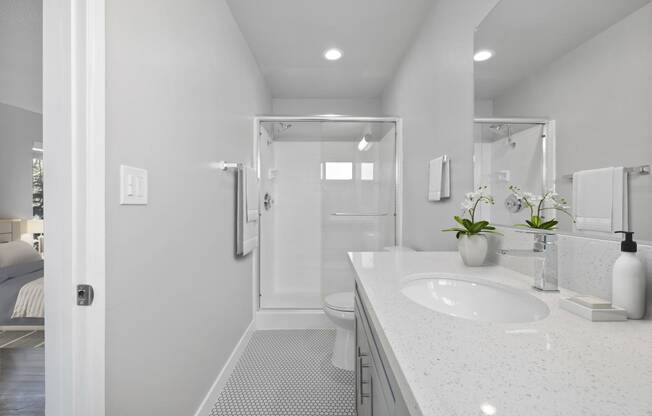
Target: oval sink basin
{"x":471,"y":299}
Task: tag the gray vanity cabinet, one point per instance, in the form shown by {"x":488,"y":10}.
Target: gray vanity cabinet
{"x":376,"y":390}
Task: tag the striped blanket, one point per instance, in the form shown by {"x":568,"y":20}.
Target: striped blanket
{"x":29,"y":303}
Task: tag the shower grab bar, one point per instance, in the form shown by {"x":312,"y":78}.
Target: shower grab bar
{"x":358,"y":214}
{"x":639,"y":170}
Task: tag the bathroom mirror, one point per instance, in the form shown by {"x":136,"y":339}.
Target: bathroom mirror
{"x":563,"y":101}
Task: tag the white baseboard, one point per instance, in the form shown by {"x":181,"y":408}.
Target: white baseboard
{"x":219,"y":383}
{"x":292,"y":319}
{"x":21,"y":327}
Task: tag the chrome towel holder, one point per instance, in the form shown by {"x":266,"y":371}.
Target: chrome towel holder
{"x":222,"y":165}
{"x":632,"y":170}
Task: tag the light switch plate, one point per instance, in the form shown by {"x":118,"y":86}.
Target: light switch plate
{"x":133,"y":186}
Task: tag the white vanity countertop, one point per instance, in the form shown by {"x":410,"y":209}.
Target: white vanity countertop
{"x":560,"y":365}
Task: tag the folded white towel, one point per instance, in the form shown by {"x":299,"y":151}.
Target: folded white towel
{"x":600,"y":200}
{"x":439,"y":179}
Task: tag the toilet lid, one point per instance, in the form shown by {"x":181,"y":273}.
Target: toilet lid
{"x":341,"y":301}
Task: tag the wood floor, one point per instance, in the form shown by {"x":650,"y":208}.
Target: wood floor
{"x":22,"y":373}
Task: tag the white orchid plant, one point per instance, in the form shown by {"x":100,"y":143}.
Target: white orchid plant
{"x":468,"y":226}
{"x":538,"y":204}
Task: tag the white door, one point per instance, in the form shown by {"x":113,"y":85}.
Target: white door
{"x":73,"y":124}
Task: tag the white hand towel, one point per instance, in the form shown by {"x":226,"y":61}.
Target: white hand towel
{"x":600,"y":200}
{"x":439,"y":179}
{"x":620,"y":210}
{"x":251,"y":184}
{"x":247,"y":232}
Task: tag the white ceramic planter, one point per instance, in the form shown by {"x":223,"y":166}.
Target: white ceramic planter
{"x":473,"y":249}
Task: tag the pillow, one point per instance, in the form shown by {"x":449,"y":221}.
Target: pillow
{"x":18,"y":258}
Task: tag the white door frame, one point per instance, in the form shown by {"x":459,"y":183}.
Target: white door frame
{"x":74,"y":159}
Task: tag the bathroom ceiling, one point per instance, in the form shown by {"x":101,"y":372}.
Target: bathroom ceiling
{"x":288,"y":38}
{"x":546,"y":31}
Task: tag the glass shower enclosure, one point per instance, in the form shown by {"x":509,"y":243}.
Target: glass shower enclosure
{"x":327,"y":187}
{"x":512,"y":152}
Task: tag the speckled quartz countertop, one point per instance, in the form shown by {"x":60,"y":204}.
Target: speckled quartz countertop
{"x":445,"y":366}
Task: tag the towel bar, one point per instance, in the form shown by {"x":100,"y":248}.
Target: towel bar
{"x":634,"y":170}
{"x":222,"y":165}
{"x":358,"y":214}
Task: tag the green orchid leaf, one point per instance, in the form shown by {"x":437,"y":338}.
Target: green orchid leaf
{"x":455,"y":229}
{"x":481,"y":225}
{"x":549,"y":225}
{"x":467,"y":223}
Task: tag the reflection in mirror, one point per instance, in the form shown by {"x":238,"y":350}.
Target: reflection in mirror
{"x":583,"y":69}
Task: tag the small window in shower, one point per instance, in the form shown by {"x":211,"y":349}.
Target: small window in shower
{"x":339,"y":171}
{"x":367,"y":171}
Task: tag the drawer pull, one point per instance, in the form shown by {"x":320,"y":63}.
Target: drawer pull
{"x":363,"y":382}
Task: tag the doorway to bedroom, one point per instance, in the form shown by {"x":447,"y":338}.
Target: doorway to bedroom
{"x":22,"y":210}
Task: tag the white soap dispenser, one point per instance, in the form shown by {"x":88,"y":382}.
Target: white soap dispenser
{"x":628,"y":281}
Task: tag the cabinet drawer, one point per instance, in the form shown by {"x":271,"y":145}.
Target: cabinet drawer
{"x":377,"y":355}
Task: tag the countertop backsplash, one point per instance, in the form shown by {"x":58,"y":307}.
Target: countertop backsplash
{"x":585,"y":264}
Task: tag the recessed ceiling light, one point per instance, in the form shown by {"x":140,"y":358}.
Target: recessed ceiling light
{"x":333,"y":54}
{"x":483,"y":55}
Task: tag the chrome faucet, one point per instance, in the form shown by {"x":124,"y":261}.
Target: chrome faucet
{"x":544,"y":251}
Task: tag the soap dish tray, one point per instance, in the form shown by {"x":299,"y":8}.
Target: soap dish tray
{"x":596,"y":315}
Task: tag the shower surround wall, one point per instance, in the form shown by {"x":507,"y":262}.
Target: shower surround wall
{"x":499,"y":164}
{"x":303,"y":246}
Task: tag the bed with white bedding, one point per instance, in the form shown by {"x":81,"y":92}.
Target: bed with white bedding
{"x":29,"y":303}
{"x":21,"y":273}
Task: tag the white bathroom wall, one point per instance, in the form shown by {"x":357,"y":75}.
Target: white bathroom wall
{"x":21,"y":103}
{"x":484,"y":108}
{"x":433,"y":93}
{"x":19,"y":128}
{"x":21,"y":54}
{"x":600,"y":95}
{"x":369,"y":107}
{"x":182,"y":92}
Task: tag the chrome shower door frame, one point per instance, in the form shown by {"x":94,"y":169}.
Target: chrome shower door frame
{"x":398,"y":162}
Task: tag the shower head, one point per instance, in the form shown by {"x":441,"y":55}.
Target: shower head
{"x":283,"y":126}
{"x":497,"y":128}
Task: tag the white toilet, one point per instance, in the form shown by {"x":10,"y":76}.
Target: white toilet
{"x":339,"y":309}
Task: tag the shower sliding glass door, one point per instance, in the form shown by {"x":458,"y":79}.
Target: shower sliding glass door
{"x":330,"y":188}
